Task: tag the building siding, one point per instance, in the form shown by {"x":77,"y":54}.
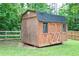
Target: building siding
{"x":32,"y":31}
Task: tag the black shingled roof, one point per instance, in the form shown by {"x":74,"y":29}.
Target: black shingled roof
{"x":45,"y":17}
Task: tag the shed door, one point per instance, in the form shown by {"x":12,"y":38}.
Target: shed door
{"x":55,"y":36}
{"x":32,"y":31}
{"x":58,"y":27}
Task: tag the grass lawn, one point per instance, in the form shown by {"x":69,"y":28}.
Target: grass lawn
{"x":13,"y":48}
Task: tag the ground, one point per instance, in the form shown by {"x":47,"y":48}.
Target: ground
{"x":15,"y":48}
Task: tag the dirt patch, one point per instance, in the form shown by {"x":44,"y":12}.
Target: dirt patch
{"x":9,"y":42}
{"x":14,"y":42}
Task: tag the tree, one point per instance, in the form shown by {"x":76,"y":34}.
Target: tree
{"x":71,"y":12}
{"x":43,"y":7}
{"x":10,"y":13}
{"x":9,"y":16}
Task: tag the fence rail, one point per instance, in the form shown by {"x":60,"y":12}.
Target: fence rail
{"x":17,"y":35}
{"x":10,"y":34}
{"x":73,"y":35}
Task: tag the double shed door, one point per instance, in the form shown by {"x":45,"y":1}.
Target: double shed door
{"x":55,"y":35}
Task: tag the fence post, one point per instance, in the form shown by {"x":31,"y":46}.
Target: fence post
{"x":5,"y":34}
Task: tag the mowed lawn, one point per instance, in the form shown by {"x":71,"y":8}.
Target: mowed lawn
{"x":15,"y":48}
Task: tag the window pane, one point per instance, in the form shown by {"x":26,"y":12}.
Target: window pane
{"x":64,"y":27}
{"x":45,"y":27}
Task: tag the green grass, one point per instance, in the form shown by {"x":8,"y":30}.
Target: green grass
{"x":13,"y":48}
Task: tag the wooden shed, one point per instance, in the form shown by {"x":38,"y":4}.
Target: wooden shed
{"x":42,"y":29}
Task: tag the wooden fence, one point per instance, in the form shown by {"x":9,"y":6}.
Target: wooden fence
{"x":17,"y":35}
{"x":10,"y":35}
{"x":73,"y":35}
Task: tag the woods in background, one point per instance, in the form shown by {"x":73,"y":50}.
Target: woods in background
{"x":10,"y":14}
{"x":71,"y":12}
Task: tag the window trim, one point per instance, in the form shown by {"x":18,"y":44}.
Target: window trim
{"x":64,"y":27}
{"x":45,"y":27}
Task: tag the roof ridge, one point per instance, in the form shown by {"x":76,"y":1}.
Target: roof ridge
{"x":49,"y":14}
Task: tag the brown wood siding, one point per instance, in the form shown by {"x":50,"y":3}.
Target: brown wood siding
{"x":32,"y":31}
{"x":29,"y":15}
{"x":29,"y":29}
{"x":23,"y":30}
{"x":54,"y":35}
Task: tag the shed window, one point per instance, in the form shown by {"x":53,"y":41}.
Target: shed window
{"x":45,"y":27}
{"x":64,"y":27}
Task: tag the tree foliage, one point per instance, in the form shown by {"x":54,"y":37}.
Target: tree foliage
{"x":10,"y":14}
{"x":71,"y":11}
{"x":39,"y":7}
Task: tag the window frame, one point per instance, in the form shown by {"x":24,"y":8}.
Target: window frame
{"x":45,"y":27}
{"x":64,"y":27}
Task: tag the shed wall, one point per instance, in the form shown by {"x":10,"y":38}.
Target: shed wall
{"x":30,"y":29}
{"x":54,"y":35}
